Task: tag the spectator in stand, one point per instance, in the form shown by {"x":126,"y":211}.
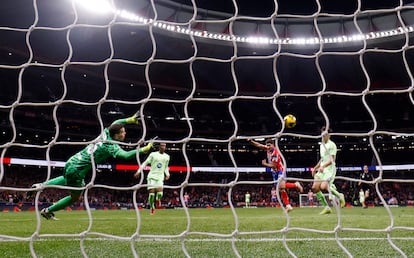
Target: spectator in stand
{"x":393,"y":200}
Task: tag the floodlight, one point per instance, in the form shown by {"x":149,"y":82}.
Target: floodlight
{"x":97,"y":6}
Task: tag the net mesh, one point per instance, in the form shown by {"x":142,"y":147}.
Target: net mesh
{"x":123,"y":59}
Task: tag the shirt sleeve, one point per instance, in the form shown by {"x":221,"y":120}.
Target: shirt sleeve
{"x":122,"y":154}
{"x":121,"y":121}
{"x":167,"y":168}
{"x":147,"y":161}
{"x":333,"y":150}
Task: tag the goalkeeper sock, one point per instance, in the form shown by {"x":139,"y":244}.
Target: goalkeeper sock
{"x":61,"y":204}
{"x":321,"y":198}
{"x":285,"y":197}
{"x":60,"y":180}
{"x":151,"y":199}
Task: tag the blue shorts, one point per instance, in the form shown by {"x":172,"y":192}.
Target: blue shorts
{"x":277,"y":175}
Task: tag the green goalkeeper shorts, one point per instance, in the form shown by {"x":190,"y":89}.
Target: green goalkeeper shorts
{"x":73,"y":176}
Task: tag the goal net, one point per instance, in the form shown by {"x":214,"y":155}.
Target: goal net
{"x":206,"y":78}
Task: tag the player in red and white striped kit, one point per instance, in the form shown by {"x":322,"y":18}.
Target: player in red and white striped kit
{"x":275,"y":163}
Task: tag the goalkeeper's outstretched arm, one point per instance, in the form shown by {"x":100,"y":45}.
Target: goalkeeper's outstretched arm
{"x":122,"y":154}
{"x":134,"y":119}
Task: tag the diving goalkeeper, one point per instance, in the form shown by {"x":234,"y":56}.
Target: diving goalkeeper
{"x":80,"y":164}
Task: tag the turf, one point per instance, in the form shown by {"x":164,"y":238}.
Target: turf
{"x":261,"y":232}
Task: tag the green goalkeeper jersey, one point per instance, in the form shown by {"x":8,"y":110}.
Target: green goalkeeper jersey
{"x":101,"y":150}
{"x":159,"y":165}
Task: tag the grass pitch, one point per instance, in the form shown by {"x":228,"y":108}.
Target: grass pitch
{"x":261,"y":232}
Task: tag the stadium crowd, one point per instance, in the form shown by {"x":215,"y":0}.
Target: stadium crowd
{"x":196,"y":196}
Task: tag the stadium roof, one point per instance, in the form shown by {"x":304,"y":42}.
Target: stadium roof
{"x":386,"y":72}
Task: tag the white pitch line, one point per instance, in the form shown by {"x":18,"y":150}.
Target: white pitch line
{"x":144,"y":239}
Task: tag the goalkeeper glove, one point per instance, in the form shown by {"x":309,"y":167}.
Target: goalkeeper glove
{"x":147,"y":148}
{"x":133,"y":119}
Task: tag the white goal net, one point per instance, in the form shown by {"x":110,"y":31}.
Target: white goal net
{"x":206,"y":78}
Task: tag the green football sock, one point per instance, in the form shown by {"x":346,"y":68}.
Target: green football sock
{"x":334,"y":191}
{"x":151,"y":199}
{"x":321,"y":198}
{"x":159,"y":196}
{"x":61,"y":204}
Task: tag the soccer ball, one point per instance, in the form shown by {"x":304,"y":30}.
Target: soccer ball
{"x":290,"y":121}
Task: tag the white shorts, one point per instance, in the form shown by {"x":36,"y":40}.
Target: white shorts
{"x":327,"y":174}
{"x":153,"y":183}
